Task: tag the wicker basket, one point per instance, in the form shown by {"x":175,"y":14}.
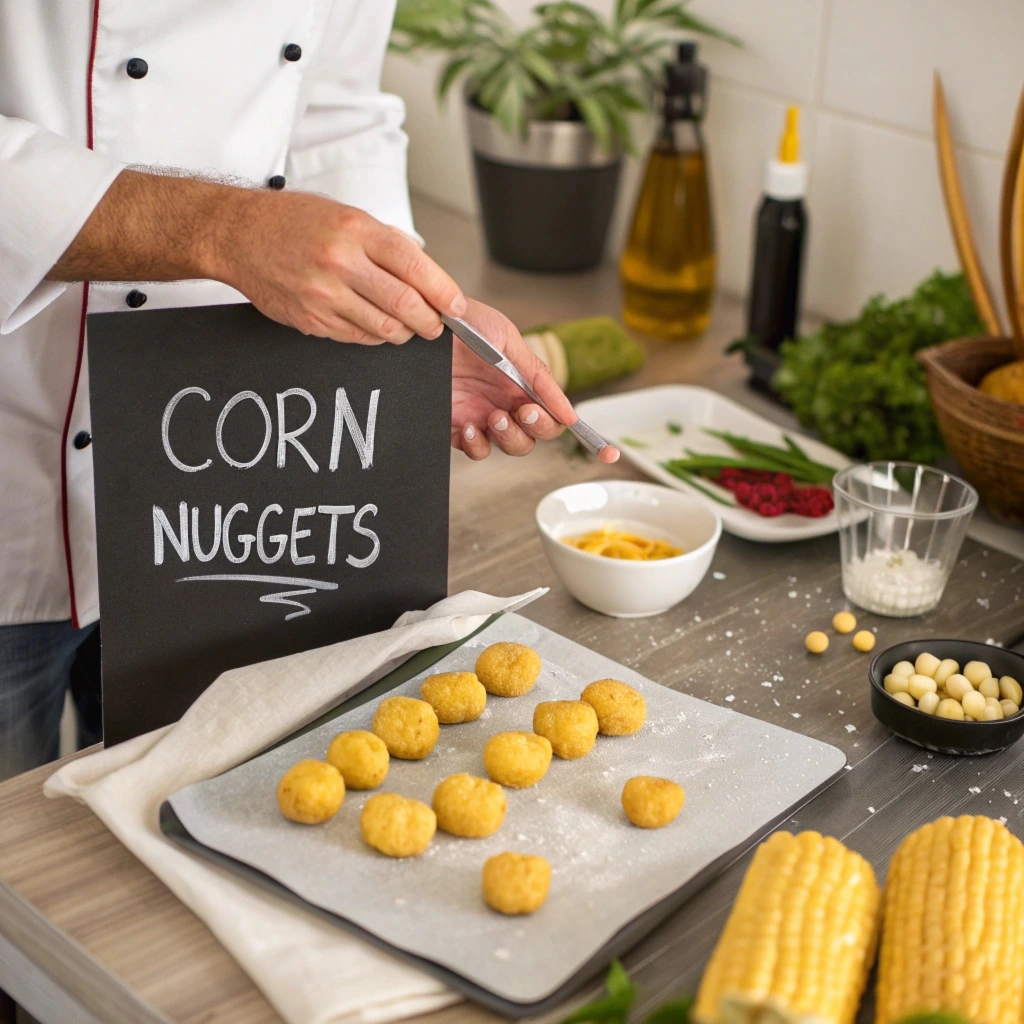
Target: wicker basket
{"x":984,"y":434}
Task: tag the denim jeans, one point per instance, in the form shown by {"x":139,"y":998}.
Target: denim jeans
{"x":39,"y":663}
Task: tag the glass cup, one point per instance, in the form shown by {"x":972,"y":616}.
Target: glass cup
{"x":900,"y":530}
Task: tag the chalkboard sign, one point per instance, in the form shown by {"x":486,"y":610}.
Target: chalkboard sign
{"x":258,"y":492}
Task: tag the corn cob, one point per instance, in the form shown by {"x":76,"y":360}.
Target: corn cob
{"x":800,"y":938}
{"x":953,"y":937}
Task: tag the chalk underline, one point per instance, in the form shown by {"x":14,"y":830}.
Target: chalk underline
{"x":294,"y":581}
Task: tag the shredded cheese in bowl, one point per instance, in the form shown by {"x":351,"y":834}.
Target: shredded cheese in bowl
{"x":611,"y":543}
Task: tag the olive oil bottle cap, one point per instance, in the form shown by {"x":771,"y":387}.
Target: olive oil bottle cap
{"x":685,"y":84}
{"x":786,"y":177}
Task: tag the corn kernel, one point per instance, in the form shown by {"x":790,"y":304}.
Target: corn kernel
{"x":1009,"y":708}
{"x":903,"y":697}
{"x":948,"y":667}
{"x":918,"y":686}
{"x":895,"y":684}
{"x":950,"y":708}
{"x":977,"y":672}
{"x":926,"y":664}
{"x":993,"y":712}
{"x":973,"y":704}
{"x":928,"y":703}
{"x":957,"y":685}
{"x":990,"y":687}
{"x":1010,"y":689}
{"x":903,"y":668}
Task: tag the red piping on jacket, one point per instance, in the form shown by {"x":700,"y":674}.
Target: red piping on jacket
{"x":81,"y":343}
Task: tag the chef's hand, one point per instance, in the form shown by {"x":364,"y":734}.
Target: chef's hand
{"x":309,"y":262}
{"x":487,"y":406}
{"x":333,"y":271}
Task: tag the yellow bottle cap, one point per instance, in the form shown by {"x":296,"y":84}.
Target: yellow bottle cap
{"x":789,"y":144}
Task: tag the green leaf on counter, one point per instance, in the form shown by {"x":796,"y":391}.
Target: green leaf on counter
{"x":675,"y":1011}
{"x":615,"y":1006}
{"x":673,"y":428}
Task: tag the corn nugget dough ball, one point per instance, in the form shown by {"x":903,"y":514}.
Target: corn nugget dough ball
{"x":926,"y":664}
{"x":516,"y":883}
{"x":947,"y":667}
{"x":904,"y":698}
{"x":903,"y":668}
{"x":469,"y":806}
{"x":407,"y":726}
{"x":621,"y":710}
{"x":1009,"y":707}
{"x":517,"y":759}
{"x":864,"y":640}
{"x":816,"y":642}
{"x":570,"y":726}
{"x":844,"y":622}
{"x":361,"y":757}
{"x":507,"y":669}
{"x":929,"y":703}
{"x":310,"y":792}
{"x":455,"y":696}
{"x":397,"y":826}
{"x":650,"y":802}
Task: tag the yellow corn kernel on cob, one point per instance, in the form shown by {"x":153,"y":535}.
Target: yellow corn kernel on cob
{"x":953,"y":933}
{"x":800,"y":938}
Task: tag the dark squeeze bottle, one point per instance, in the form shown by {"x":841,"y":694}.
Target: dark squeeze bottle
{"x":779,"y":244}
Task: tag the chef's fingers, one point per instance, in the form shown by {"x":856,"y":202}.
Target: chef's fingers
{"x":374,"y":321}
{"x":400,"y":255}
{"x":336,"y":328}
{"x":539,"y":377}
{"x":609,"y":453}
{"x":537,"y":423}
{"x":474,"y":442}
{"x":401,"y":300}
{"x":508,"y":435}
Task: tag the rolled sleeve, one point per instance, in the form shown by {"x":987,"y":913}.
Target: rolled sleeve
{"x":348,"y":142}
{"x":48,"y":189}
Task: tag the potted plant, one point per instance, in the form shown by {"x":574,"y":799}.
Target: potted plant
{"x":548,"y":110}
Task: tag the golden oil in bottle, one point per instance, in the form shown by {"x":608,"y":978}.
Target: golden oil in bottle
{"x":668,"y":267}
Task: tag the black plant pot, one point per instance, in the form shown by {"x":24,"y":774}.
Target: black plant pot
{"x":546,"y":200}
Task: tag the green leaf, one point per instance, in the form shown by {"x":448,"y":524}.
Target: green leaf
{"x":613,"y":1008}
{"x":450,"y":73}
{"x":675,"y":1011}
{"x":596,"y":119}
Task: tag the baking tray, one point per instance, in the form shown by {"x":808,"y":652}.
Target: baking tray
{"x":611,"y":884}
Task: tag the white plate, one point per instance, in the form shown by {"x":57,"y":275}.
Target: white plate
{"x":644,"y":416}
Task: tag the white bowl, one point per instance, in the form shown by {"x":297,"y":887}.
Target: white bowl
{"x":618,"y":587}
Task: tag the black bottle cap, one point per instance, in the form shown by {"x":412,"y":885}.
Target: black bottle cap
{"x":685,"y":84}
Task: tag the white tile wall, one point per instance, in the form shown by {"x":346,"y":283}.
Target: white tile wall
{"x":862,"y":71}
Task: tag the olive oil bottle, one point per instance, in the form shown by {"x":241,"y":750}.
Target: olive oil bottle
{"x":668,"y":267}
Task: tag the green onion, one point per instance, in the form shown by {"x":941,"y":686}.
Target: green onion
{"x":634,"y":443}
{"x":689,"y":478}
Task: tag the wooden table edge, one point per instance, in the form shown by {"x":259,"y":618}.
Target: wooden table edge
{"x":27,"y":934}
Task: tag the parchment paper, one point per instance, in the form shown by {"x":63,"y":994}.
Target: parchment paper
{"x":738,"y":773}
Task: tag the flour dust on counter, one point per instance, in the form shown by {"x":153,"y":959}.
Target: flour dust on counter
{"x":254,"y":495}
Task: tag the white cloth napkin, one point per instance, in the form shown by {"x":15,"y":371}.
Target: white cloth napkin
{"x":311,"y":971}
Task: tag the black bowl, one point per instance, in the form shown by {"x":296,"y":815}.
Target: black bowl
{"x":946,"y":735}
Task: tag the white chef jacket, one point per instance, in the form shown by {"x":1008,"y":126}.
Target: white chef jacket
{"x":222,"y":94}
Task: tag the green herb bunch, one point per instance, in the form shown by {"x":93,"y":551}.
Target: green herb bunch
{"x":858,"y":385}
{"x":569,"y":64}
